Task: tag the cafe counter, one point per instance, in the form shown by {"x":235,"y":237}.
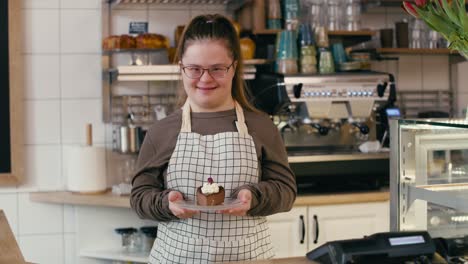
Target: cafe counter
{"x":294,"y":260}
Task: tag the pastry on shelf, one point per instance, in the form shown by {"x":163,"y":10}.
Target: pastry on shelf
{"x":151,"y":41}
{"x":119,"y":42}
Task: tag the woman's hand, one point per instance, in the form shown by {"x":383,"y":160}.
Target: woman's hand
{"x":245,"y":196}
{"x":180,"y":213}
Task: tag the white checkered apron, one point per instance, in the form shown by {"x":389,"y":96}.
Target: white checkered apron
{"x":230,"y":159}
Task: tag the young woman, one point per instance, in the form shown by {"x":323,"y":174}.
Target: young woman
{"x":216,"y":134}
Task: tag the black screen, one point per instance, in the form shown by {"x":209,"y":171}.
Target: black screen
{"x":5,"y":144}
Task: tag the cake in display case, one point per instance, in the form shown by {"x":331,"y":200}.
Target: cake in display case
{"x":429,"y":177}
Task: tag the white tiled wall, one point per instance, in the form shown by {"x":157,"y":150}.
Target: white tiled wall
{"x":418,"y":72}
{"x":62,"y":41}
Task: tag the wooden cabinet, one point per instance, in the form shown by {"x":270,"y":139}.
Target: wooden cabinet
{"x":337,"y":222}
{"x":289,"y":232}
{"x":305,"y":228}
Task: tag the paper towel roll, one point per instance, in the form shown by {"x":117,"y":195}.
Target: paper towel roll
{"x":86,"y":169}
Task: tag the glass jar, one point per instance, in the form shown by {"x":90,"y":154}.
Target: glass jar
{"x":334,"y":15}
{"x":352,"y":15}
{"x":131,"y":241}
{"x":316,"y":13}
{"x":149,"y":235}
{"x":418,"y":34}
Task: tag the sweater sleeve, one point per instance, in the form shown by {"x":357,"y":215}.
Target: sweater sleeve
{"x":149,"y":196}
{"x":277,"y":189}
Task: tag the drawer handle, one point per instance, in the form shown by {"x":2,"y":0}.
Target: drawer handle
{"x":301,"y":217}
{"x":316,"y":229}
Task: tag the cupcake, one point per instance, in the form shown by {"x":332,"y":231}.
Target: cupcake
{"x":210,"y":194}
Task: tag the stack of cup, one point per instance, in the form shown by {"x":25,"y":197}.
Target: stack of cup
{"x":321,"y":37}
{"x":274,"y":14}
{"x":326,"y":64}
{"x":334,"y":15}
{"x":402,"y":34}
{"x":352,"y":15}
{"x":291,"y":14}
{"x":316,"y":13}
{"x":286,"y":52}
{"x":339,"y":54}
{"x":308,"y":61}
{"x":417,"y":34}
{"x":386,"y":37}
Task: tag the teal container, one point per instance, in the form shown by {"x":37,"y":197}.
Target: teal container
{"x":291,"y":9}
{"x":338,"y":52}
{"x":274,"y":23}
{"x":286,"y":45}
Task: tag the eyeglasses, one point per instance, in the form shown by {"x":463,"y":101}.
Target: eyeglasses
{"x":196,"y":72}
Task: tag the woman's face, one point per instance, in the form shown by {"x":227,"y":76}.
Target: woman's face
{"x":208,"y":93}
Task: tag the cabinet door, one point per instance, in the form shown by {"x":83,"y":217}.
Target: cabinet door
{"x":337,"y":222}
{"x":289,"y":232}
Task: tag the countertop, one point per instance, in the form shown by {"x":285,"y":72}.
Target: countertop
{"x":295,"y":260}
{"x":342,"y":198}
{"x":110,"y":200}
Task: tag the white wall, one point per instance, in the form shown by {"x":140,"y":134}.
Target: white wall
{"x":62,"y":58}
{"x":420,"y":72}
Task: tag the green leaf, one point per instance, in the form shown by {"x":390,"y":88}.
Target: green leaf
{"x":460,"y":9}
{"x":436,"y":22}
{"x":462,"y":14}
{"x":465,"y":24}
{"x":432,"y":8}
{"x":450,"y":13}
{"x":439,"y":5}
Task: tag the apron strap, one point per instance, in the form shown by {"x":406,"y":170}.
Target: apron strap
{"x":186,"y":124}
{"x":240,"y":123}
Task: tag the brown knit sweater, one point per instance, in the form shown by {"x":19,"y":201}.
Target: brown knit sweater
{"x":275,"y":192}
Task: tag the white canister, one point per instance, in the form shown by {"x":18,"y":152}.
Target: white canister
{"x":86,"y":169}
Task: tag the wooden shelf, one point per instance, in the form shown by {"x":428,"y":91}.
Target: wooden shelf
{"x":368,"y":33}
{"x":116,"y":254}
{"x":257,"y":61}
{"x":163,"y":72}
{"x":63,"y":197}
{"x":415,"y":51}
{"x":110,"y":200}
{"x":330,"y":33}
{"x":267,"y":31}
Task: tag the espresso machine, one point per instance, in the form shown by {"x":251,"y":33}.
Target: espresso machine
{"x":329,"y":117}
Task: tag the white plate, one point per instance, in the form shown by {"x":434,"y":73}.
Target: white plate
{"x":229,"y":203}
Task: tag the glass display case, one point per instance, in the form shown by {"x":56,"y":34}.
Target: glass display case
{"x":429,"y":176}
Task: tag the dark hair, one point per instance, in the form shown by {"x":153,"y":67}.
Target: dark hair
{"x":216,"y":27}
